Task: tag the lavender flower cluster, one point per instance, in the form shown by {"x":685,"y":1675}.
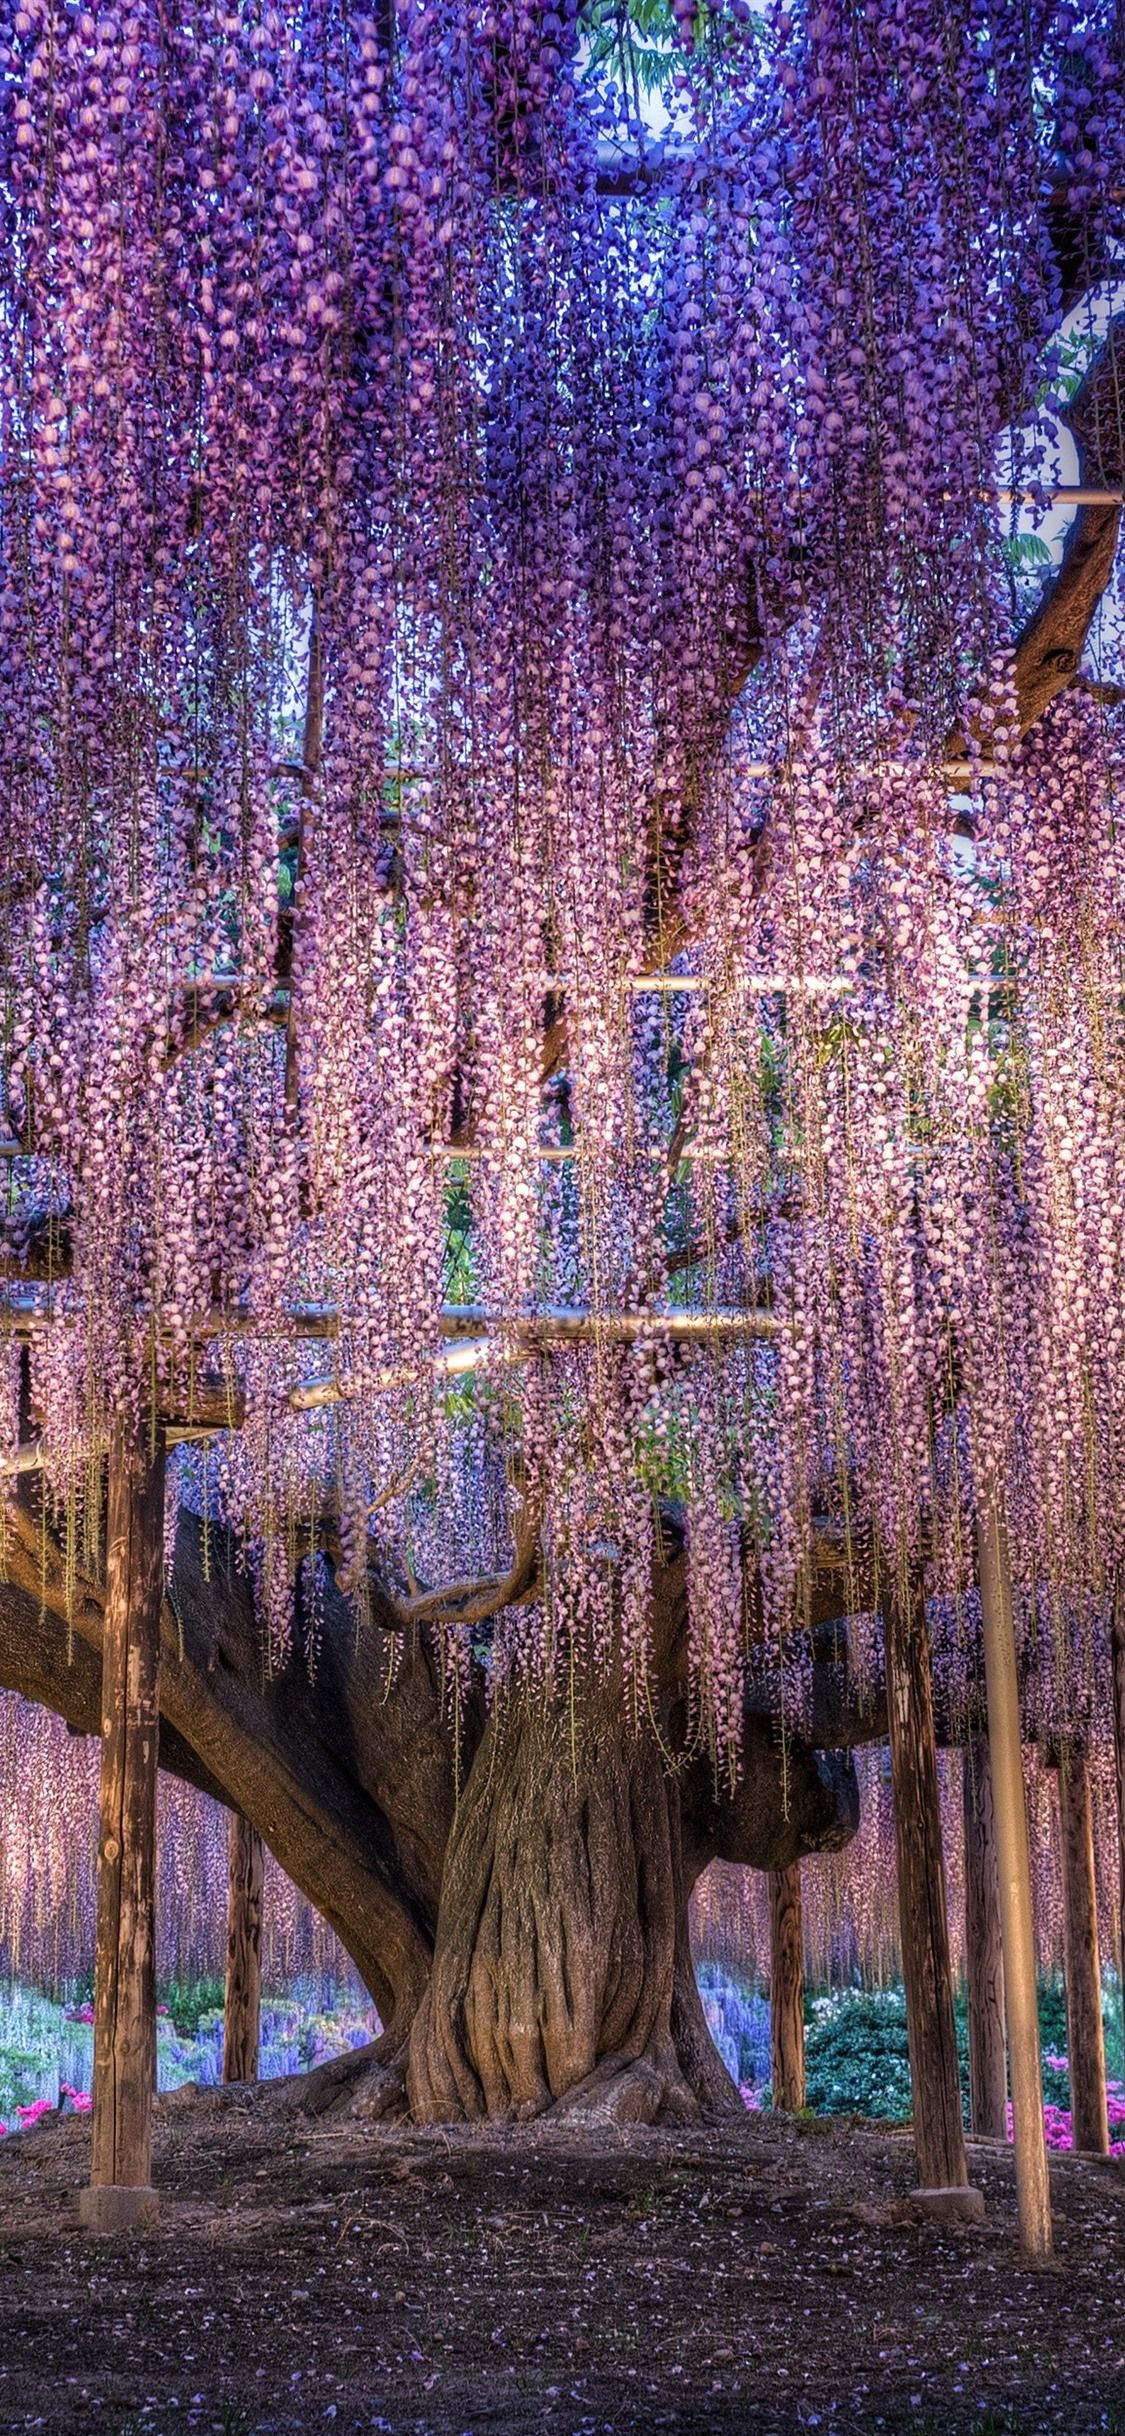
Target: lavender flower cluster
{"x":461,"y":552}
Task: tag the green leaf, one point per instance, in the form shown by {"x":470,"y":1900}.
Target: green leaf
{"x":1026,"y":550}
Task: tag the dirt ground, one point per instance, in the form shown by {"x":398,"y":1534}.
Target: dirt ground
{"x":316,"y":2272}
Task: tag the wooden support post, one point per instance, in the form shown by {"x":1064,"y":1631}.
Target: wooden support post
{"x":243,"y":1997}
{"x":120,"y":2193}
{"x":1117,"y":1643}
{"x":939,"y":2139}
{"x":1017,"y":1926}
{"x":1084,"y":2027}
{"x":787,"y":1988}
{"x":984,"y":1965}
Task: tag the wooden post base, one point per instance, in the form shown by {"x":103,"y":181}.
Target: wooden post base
{"x":110,"y":2208}
{"x":960,"y":2204}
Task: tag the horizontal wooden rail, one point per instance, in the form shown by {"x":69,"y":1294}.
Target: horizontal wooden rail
{"x":1060,"y":494}
{"x":478,"y":1332}
{"x":26,"y":1307}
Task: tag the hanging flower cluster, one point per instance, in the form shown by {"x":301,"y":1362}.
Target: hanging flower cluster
{"x":849,"y":1899}
{"x":489,"y":600}
{"x":48,"y":1800}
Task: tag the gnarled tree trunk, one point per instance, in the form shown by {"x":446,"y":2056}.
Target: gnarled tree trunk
{"x":556,"y":1934}
{"x":561,"y":1967}
{"x":518,"y":1936}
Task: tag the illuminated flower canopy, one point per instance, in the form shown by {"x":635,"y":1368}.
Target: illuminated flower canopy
{"x":498,"y":586}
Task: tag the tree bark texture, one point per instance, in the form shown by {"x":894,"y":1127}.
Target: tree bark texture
{"x":1013,"y":1863}
{"x":1117,"y":1632}
{"x":1085,"y":2030}
{"x":242,"y":2001}
{"x":124,"y":1967}
{"x":1049,"y":650}
{"x":984,"y":1961}
{"x":558,"y":1962}
{"x":939,"y":2140}
{"x":556,"y":1931}
{"x":787,"y":1989}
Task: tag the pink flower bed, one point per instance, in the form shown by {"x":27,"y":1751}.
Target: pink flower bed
{"x":80,"y":2103}
{"x":1058,"y":2123}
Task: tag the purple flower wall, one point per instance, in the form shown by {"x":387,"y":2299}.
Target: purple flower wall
{"x":443,"y":583}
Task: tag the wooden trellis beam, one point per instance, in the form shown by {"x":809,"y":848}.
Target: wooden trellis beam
{"x":1061,"y":494}
{"x":467,"y":1328}
{"x":472,"y":1330}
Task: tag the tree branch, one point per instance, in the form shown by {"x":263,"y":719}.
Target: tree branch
{"x":1050,"y":648}
{"x":347,"y":1776}
{"x":209,"y":1008}
{"x":474,"y":1601}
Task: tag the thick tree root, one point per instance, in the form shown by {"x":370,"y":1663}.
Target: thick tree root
{"x":366,"y":2082}
{"x":624,"y":2089}
{"x":701,"y":2067}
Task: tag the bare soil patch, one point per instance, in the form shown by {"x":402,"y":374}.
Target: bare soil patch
{"x":331,"y":2272}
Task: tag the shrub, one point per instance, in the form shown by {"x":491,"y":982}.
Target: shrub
{"x":186,"y":2002}
{"x":46,"y":2049}
{"x":856,"y":2056}
{"x":858,"y":2059}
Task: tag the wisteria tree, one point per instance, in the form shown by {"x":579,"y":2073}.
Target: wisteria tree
{"x":562,"y":992}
